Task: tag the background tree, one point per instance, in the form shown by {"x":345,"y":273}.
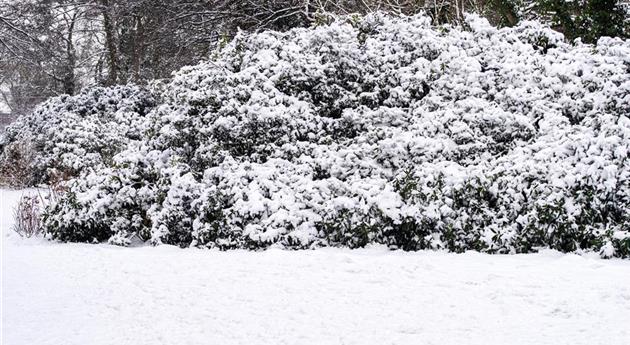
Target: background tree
{"x":50,"y":47}
{"x":587,"y":19}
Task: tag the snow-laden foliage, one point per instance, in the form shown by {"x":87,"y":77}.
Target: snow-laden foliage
{"x":378,"y":129}
{"x":69,"y":134}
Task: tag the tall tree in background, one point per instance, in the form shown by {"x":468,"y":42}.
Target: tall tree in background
{"x":587,"y":19}
{"x":602,"y":18}
{"x":110,"y":42}
{"x":50,"y":47}
{"x":47,"y":49}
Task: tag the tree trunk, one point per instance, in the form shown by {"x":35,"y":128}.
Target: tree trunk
{"x":69,"y":84}
{"x":138,"y":50}
{"x":110,"y":44}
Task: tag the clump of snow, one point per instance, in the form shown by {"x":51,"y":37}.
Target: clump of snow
{"x":377,"y":130}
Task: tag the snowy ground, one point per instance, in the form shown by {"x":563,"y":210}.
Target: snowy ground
{"x":96,"y":294}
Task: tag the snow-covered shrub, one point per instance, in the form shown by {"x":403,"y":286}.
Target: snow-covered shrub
{"x":378,"y":129}
{"x":68,"y":134}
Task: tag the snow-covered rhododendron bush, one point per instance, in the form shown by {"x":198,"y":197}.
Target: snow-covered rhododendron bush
{"x":69,"y":134}
{"x":373,"y":129}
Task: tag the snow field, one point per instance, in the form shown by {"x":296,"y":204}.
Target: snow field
{"x":98,"y":294}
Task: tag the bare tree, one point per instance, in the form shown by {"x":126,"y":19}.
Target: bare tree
{"x":50,"y":47}
{"x":47,"y":48}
